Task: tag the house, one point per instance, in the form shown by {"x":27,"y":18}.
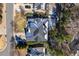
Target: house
{"x":37,"y":29}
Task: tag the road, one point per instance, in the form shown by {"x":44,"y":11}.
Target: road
{"x":9,"y":31}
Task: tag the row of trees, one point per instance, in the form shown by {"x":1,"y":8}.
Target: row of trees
{"x":59,"y":33}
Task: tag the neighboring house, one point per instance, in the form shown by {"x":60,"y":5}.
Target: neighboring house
{"x":36,"y":50}
{"x":37,"y":29}
{"x":40,"y":6}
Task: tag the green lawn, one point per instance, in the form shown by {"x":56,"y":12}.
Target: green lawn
{"x":34,"y":42}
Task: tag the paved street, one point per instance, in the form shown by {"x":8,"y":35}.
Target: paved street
{"x":9,"y":17}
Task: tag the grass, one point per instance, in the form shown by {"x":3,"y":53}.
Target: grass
{"x":34,"y":42}
{"x":20,"y":23}
{"x":28,"y":15}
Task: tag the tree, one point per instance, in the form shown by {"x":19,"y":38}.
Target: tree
{"x":21,"y":48}
{"x":59,"y":33}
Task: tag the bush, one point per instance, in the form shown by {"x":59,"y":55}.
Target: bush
{"x":27,"y":6}
{"x":41,"y":15}
{"x":21,"y":45}
{"x":28,"y":15}
{"x":0,"y":19}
